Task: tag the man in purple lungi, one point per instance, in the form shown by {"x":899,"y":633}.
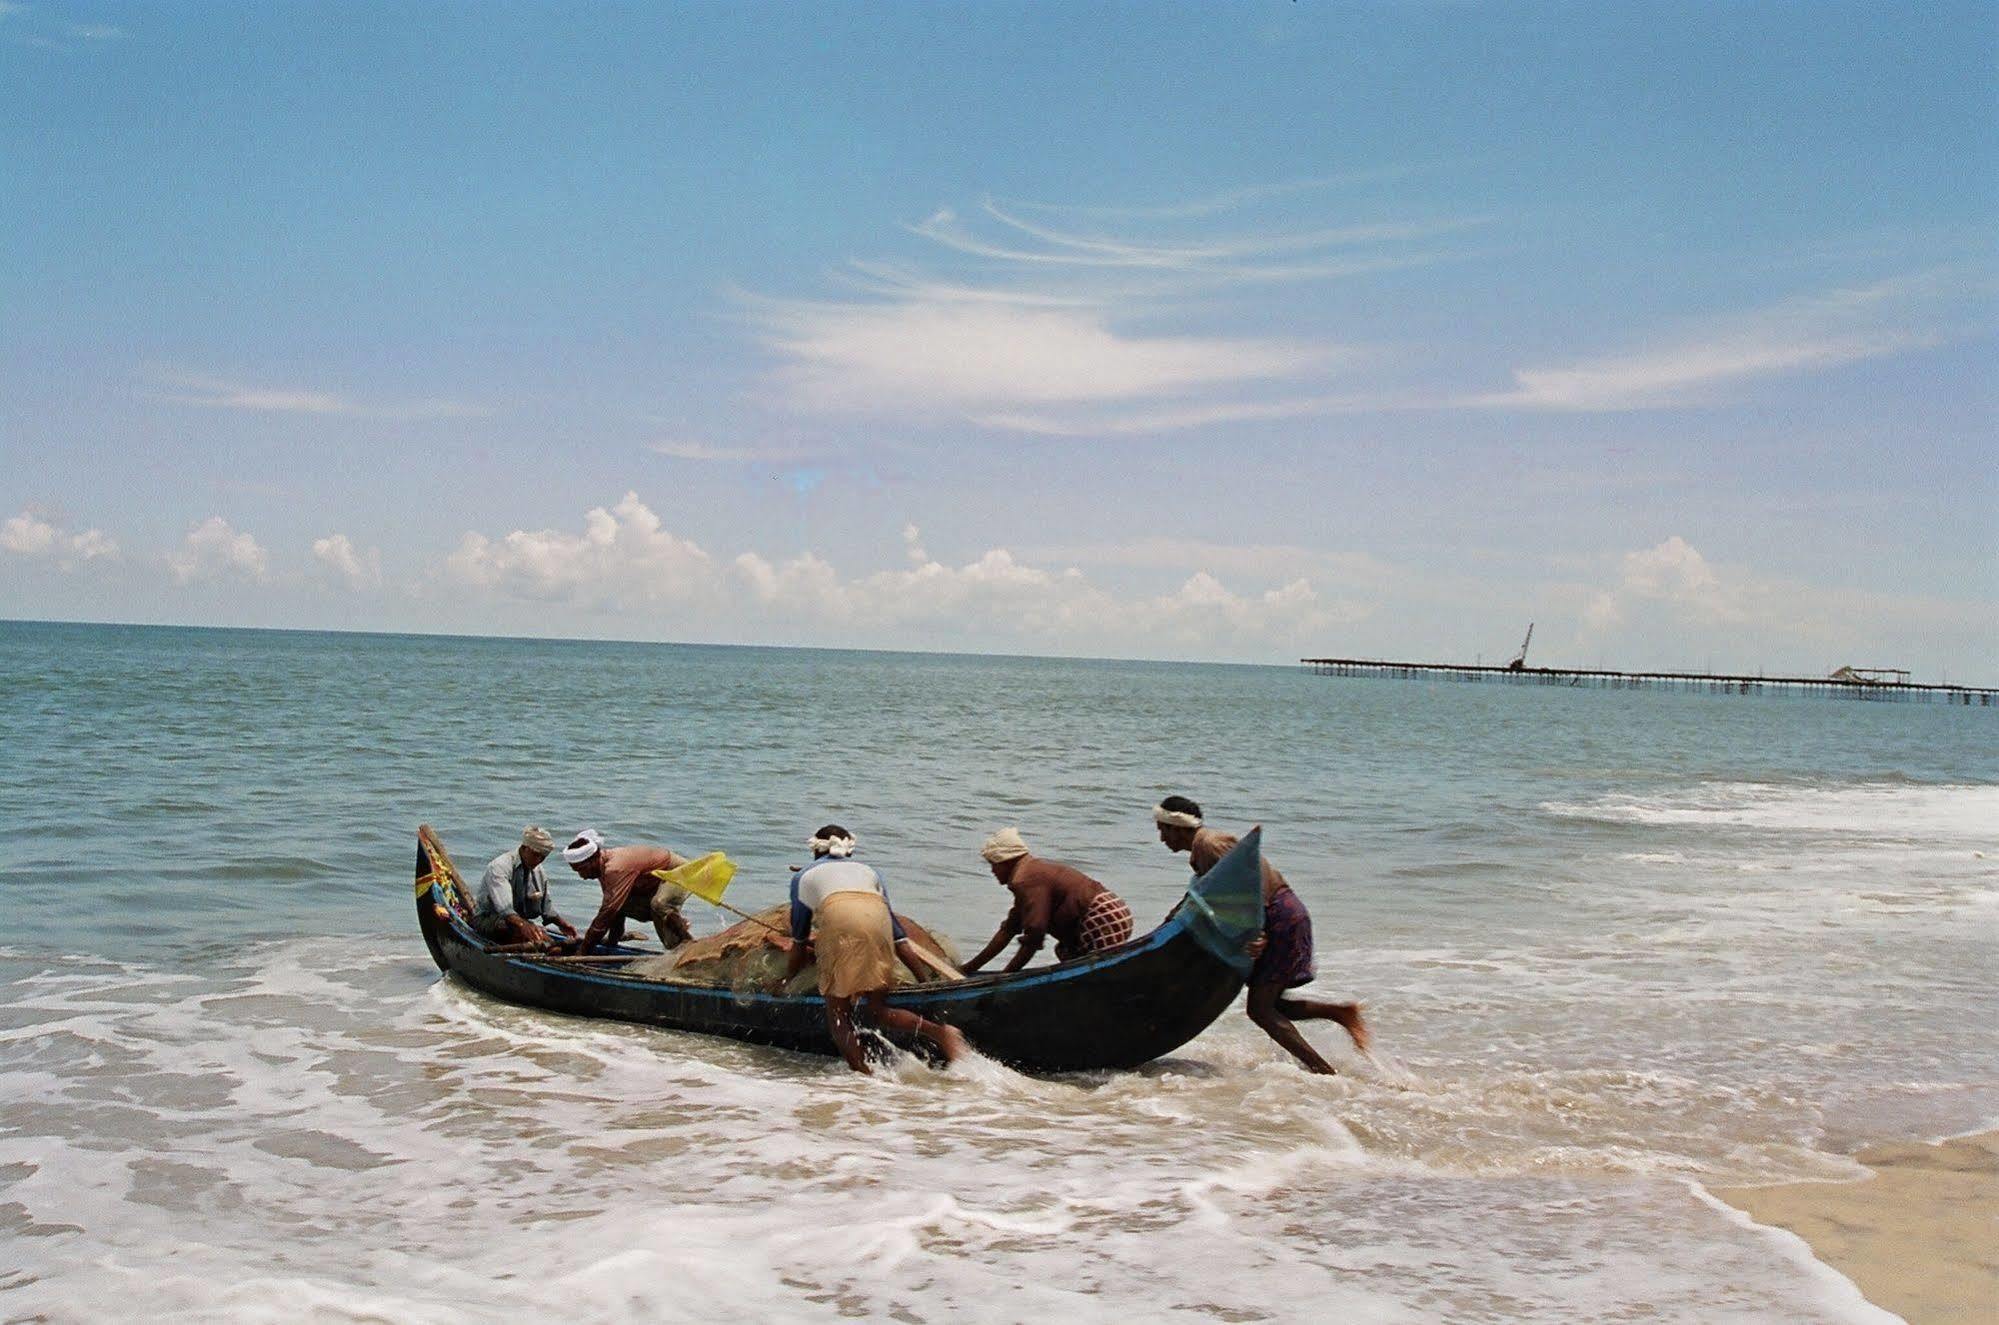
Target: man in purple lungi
{"x":1284,"y":951}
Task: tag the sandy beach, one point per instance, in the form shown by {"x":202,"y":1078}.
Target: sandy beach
{"x":1920,"y":1237}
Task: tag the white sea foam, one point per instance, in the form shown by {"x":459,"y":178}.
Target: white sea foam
{"x":355,"y":1141}
{"x":1885,"y":812}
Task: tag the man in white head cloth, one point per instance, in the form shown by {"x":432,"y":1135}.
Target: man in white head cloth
{"x":1283,"y":953}
{"x":513,"y":894}
{"x":1049,"y":899}
{"x":841,"y":918}
{"x":630,"y":890}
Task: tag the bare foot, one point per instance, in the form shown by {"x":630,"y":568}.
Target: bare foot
{"x":953,"y":1042}
{"x":1357,"y":1028}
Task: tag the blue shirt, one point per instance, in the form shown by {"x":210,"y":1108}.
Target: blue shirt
{"x":825,"y":876}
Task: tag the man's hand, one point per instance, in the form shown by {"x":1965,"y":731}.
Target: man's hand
{"x":568,"y":930}
{"x":1254,"y":948}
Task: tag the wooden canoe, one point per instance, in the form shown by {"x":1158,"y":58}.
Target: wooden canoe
{"x":1113,"y":1009}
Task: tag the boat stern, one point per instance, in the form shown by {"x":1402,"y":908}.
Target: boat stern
{"x":1224,"y":907}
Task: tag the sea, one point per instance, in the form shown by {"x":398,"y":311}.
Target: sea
{"x":1618,"y":948}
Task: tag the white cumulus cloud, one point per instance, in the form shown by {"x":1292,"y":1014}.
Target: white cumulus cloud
{"x":625,"y":560}
{"x":623,"y":556}
{"x":214,"y":550}
{"x":30,"y":535}
{"x":1671,"y":573}
{"x":355,"y":567}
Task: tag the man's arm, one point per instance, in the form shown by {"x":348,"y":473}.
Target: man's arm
{"x":1036,"y":907}
{"x":496,"y":890}
{"x":610,"y":914}
{"x":1001,"y":937}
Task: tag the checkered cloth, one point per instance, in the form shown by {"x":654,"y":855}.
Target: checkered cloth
{"x":1105,"y":925}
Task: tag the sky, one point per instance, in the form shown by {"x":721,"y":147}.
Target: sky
{"x":1244,"y":332}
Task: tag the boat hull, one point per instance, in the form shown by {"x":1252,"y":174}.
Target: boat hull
{"x":1115,"y":1009}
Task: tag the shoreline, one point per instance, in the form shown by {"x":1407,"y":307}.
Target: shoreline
{"x":1918,"y":1236}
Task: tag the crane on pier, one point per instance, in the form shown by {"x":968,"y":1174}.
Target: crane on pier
{"x":1519,"y":663}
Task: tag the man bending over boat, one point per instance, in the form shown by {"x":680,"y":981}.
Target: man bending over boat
{"x":1283,"y":953}
{"x":858,"y":944}
{"x":630,"y":890}
{"x":513,"y":895}
{"x":1049,"y":898}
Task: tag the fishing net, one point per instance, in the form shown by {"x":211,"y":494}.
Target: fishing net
{"x":746,"y":956}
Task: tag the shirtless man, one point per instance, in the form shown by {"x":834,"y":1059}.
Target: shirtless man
{"x":630,"y":890}
{"x":1284,"y":952}
{"x":1049,"y":898}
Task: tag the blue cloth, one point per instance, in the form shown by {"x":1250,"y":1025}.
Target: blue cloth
{"x":801,"y":907}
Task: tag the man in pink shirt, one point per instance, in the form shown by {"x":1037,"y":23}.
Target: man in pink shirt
{"x":630,"y":890}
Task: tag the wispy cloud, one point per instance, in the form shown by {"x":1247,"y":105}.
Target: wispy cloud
{"x":1040,"y":310}
{"x":1126,"y":423}
{"x":709,"y":453}
{"x":95,"y":32}
{"x":216,"y":393}
{"x":1802,"y":335}
{"x":1228,"y":200}
{"x":1258,"y":560}
{"x":971,"y":357}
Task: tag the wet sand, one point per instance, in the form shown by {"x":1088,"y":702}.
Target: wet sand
{"x":1920,"y":1237}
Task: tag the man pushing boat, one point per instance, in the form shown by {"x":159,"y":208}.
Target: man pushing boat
{"x":858,"y":943}
{"x":1283,"y":953}
{"x":1049,"y":898}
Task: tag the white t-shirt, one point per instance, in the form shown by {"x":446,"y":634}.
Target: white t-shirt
{"x":823,"y":878}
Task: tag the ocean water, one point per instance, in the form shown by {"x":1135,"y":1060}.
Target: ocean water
{"x":1616,"y":947}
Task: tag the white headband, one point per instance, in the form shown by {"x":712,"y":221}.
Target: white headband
{"x":1174,"y":818}
{"x":585,"y":846}
{"x":1003,"y":845}
{"x":839,"y":848}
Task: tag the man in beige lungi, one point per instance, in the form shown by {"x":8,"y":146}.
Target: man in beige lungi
{"x":858,"y":943}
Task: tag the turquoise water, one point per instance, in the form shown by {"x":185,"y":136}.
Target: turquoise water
{"x":1615,"y":945}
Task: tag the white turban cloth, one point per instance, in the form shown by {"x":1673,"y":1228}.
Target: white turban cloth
{"x":839,"y":848}
{"x":537,"y":839}
{"x":1003,"y":845}
{"x":587,"y":844}
{"x":1174,"y":818}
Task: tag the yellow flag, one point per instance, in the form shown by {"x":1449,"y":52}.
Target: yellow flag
{"x":704,"y":878}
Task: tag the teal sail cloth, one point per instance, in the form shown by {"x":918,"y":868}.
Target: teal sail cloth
{"x":1225,"y":905}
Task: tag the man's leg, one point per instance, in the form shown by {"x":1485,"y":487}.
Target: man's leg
{"x":1312,"y":1009}
{"x":1264,"y":998}
{"x":946,"y":1040}
{"x":670,"y":924}
{"x":840,"y":1025}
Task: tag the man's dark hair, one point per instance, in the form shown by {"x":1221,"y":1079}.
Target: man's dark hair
{"x":1181,"y":805}
{"x":832,"y":830}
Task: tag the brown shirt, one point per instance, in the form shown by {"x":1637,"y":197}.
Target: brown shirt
{"x":629,"y":886}
{"x":1050,"y":898}
{"x":1211,"y":844}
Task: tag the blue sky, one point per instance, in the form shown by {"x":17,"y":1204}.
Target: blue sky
{"x":1243,"y":331}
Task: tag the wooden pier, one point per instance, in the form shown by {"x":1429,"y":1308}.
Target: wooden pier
{"x":1834,"y":687}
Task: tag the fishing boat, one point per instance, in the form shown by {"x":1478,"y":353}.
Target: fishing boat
{"x":1117,"y":1008}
